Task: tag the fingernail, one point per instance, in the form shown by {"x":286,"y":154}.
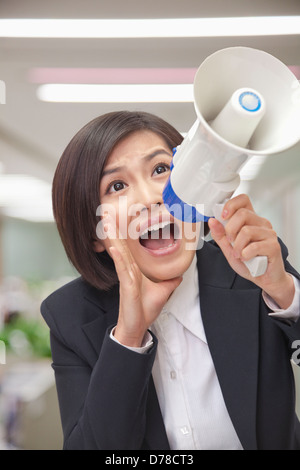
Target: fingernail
{"x":108,"y":229}
{"x":224,"y":214}
{"x":211,"y":222}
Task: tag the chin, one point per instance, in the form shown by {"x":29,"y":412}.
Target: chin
{"x":170,"y":271}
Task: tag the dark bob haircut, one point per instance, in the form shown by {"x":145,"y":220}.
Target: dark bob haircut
{"x":76,"y":187}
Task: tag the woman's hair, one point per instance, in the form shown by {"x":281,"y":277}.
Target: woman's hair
{"x":76,"y":187}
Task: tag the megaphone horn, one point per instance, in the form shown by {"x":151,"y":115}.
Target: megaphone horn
{"x":247,"y":103}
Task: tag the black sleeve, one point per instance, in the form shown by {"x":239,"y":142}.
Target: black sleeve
{"x":292,"y":331}
{"x":103,"y":407}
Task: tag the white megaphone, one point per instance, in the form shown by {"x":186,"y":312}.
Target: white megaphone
{"x":247,"y":103}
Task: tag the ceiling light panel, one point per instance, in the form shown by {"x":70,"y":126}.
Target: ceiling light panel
{"x":128,"y":93}
{"x":150,"y":28}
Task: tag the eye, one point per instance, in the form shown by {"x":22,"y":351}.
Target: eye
{"x":161,"y":168}
{"x":116,"y":186}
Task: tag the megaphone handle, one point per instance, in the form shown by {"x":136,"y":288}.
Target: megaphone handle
{"x":258,"y":265}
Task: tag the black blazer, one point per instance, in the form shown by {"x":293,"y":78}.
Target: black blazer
{"x":106,"y":393}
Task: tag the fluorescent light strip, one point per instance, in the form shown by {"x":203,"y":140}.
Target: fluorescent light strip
{"x":140,"y":93}
{"x":150,"y":28}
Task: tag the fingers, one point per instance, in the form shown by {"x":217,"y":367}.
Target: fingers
{"x":245,"y":235}
{"x":242,"y":223}
{"x":115,"y":237}
{"x":253,"y":241}
{"x":217,"y":229}
{"x":238,"y":202}
{"x":219,"y":235}
{"x":261,"y":248}
{"x":244,"y":218}
{"x":124,"y":263}
{"x":124,"y":271}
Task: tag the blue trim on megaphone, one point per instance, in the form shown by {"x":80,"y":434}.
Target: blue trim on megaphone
{"x":179,"y":209}
{"x":253,"y":105}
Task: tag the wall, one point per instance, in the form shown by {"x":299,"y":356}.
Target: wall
{"x":33,"y":251}
{"x":275,"y":194}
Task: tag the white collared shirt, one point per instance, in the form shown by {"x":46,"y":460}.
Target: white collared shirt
{"x":188,"y":390}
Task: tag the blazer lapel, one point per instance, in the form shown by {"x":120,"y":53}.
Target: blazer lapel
{"x":230,"y":319}
{"x":106,"y":308}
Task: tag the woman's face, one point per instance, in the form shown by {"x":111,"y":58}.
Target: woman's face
{"x":131,"y":192}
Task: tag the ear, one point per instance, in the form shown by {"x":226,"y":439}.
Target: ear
{"x":98,"y":246}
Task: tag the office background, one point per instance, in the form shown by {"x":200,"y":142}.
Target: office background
{"x":35,"y":127}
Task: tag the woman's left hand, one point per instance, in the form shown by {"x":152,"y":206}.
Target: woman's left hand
{"x":247,"y":235}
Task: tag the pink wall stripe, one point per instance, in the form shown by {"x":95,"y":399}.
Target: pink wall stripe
{"x":112,"y":75}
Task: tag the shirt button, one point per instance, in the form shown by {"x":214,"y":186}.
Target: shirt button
{"x":185,"y":430}
{"x":173,"y":374}
{"x":164,"y":315}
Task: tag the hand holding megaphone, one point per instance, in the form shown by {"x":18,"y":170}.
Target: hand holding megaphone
{"x":257,"y":266}
{"x":233,"y":124}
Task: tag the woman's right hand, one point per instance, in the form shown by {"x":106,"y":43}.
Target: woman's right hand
{"x":141,"y":300}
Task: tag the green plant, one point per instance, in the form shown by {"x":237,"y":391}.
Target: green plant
{"x":24,"y":336}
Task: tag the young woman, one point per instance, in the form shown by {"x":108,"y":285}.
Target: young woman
{"x":158,"y":345}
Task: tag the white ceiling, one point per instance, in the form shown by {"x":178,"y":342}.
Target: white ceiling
{"x":33,"y":134}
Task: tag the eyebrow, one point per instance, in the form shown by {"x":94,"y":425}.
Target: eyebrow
{"x":147,"y":158}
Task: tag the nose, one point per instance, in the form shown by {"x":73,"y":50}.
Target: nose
{"x":148,"y":194}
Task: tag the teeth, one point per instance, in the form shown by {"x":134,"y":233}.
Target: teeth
{"x":155,"y":227}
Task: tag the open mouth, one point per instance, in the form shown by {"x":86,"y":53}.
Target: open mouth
{"x":160,"y":236}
